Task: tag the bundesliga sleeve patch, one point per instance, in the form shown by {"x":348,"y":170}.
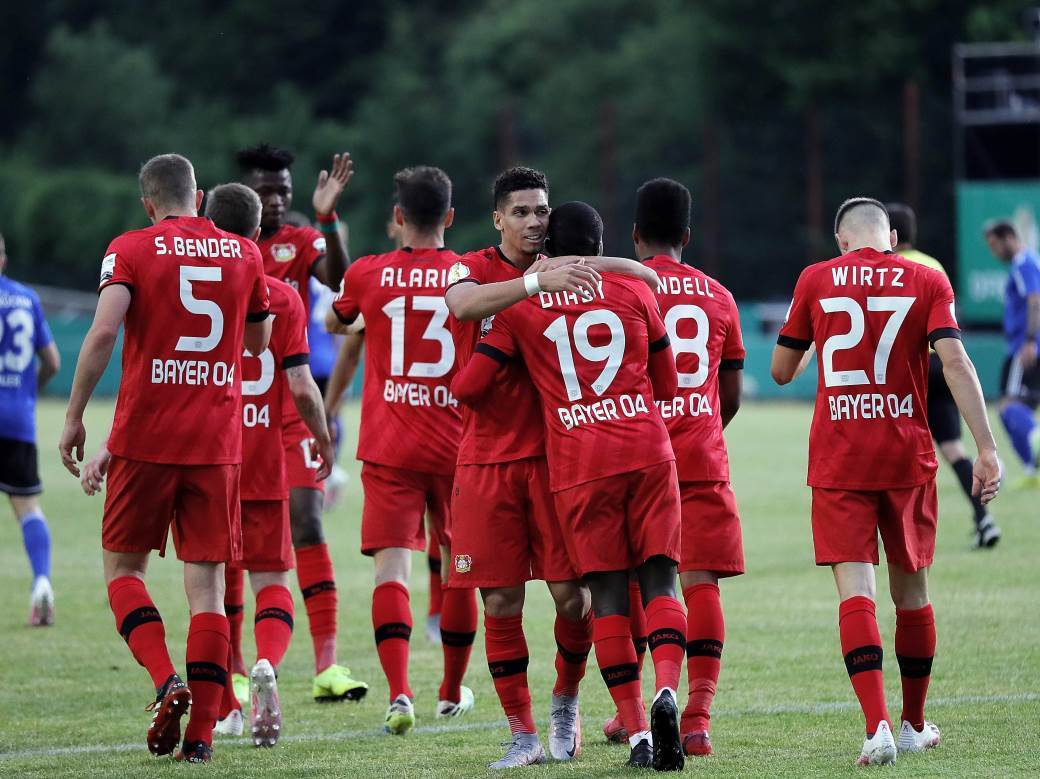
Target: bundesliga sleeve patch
{"x":108,"y":267}
{"x":319,"y":245}
{"x":457,"y":273}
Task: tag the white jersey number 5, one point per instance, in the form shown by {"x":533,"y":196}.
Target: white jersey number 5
{"x":191,"y":343}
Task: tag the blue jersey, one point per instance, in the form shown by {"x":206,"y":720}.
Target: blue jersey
{"x":322,"y":343}
{"x":23,"y":332}
{"x":1023,"y":281}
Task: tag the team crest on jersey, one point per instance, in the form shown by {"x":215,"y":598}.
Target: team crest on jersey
{"x":108,"y":267}
{"x":463,"y":563}
{"x":457,"y":273}
{"x":283,"y":252}
{"x":485,"y":325}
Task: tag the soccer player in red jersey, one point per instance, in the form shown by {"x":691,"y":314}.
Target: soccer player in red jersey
{"x":294,"y":254}
{"x":871,"y":315}
{"x":704,"y":328}
{"x":188,"y":295}
{"x":409,"y":436}
{"x":266,"y":538}
{"x":598,"y":362}
{"x":502,"y":498}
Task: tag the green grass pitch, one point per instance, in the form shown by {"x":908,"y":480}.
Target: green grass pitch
{"x":72,"y":698}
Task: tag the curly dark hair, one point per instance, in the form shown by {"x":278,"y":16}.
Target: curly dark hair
{"x":264,"y":156}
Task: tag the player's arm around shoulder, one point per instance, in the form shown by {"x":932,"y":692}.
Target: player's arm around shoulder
{"x":626,"y":267}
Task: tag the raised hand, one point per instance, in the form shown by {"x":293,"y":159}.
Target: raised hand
{"x":332,"y":183}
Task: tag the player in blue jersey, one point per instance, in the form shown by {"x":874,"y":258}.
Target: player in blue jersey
{"x":1020,"y":377}
{"x":24,"y":337}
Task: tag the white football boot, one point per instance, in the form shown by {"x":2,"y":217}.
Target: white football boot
{"x":911,"y":740}
{"x":879,"y":749}
{"x":452,"y":709}
{"x":525,"y":749}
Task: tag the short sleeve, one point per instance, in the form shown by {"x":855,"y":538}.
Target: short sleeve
{"x":41,"y":331}
{"x":346,"y":304}
{"x":296,"y":347}
{"x":117,"y":266}
{"x":259,"y":295}
{"x":942,"y":314}
{"x":312,"y":247}
{"x":500,"y":342}
{"x":656,"y":331}
{"x":733,"y":352}
{"x":469,"y":269}
{"x":796,"y":332}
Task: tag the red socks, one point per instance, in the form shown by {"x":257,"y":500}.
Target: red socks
{"x":273,"y":624}
{"x":666,"y":639}
{"x":392,"y":622}
{"x":140,"y":625}
{"x":208,"y":647}
{"x":638,"y":620}
{"x":705,"y":634}
{"x":573,"y":642}
{"x":861,"y":645}
{"x":234,"y":607}
{"x":436,"y":591}
{"x":616,"y":656}
{"x":318,"y":585}
{"x":915,"y":647}
{"x":458,"y":629}
{"x":228,"y":701}
{"x":506,"y":650}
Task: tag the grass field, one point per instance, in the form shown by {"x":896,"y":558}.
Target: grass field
{"x":72,"y":698}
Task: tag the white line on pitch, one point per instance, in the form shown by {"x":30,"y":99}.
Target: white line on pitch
{"x":721,"y":712}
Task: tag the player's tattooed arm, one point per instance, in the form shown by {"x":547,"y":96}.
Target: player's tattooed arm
{"x":307,"y":397}
{"x":964,"y":386}
{"x":94,"y":355}
{"x":50,"y":364}
{"x":471,"y":302}
{"x":331,"y":183}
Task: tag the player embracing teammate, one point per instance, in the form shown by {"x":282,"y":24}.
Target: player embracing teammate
{"x":871,"y":315}
{"x":599,"y":359}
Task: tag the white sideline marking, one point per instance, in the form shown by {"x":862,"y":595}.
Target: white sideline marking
{"x":754,"y":711}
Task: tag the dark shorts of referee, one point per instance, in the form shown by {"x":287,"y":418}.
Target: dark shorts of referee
{"x":19,"y":472}
{"x":1019,"y":384}
{"x":944,"y":420}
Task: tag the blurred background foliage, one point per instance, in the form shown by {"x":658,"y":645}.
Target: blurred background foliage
{"x":771,"y":113}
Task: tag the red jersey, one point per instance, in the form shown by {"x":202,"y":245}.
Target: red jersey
{"x":409,"y":418}
{"x":488,"y":435}
{"x":588,"y":359}
{"x":193,"y":288}
{"x":871,"y":316}
{"x":290,"y":254}
{"x":704,"y":327}
{"x":263,"y":462}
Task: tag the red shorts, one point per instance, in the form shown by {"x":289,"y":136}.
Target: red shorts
{"x":845,"y":525}
{"x":504,"y":528}
{"x":711,"y":539}
{"x":143,"y":500}
{"x":266,"y":537}
{"x":619,"y":522}
{"x":396,"y":501}
{"x":299,"y":467}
